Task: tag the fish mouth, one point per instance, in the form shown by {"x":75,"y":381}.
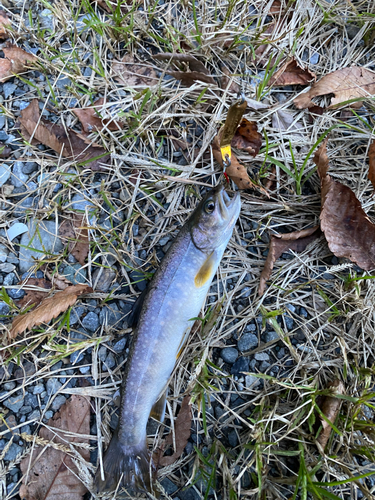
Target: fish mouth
{"x":227,"y":204}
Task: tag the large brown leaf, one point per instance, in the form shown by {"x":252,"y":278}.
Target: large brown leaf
{"x":50,"y":473}
{"x":91,"y":120}
{"x":133,"y":74}
{"x":182,"y":431}
{"x":348,"y":230}
{"x":281,"y":243}
{"x":330,"y":409}
{"x":198,"y":71}
{"x":371,"y":168}
{"x":345,"y":84}
{"x":65,"y":142}
{"x":35,"y":296}
{"x":291,"y":73}
{"x":74,"y":232}
{"x":247,"y":137}
{"x":4,"y":25}
{"x":16,"y":61}
{"x":48,"y":309}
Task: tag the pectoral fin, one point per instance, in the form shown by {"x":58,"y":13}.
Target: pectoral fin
{"x":158,"y":410}
{"x":205,"y":272}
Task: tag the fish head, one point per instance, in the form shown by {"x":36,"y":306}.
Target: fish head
{"x":213,"y":220}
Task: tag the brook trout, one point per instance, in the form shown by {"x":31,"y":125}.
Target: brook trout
{"x":174,"y":297}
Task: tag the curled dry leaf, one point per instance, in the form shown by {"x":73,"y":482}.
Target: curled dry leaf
{"x":49,"y":473}
{"x":291,"y":73}
{"x":16,"y":60}
{"x":182,"y":431}
{"x":74,"y":232}
{"x":4,"y":25}
{"x":35,"y":296}
{"x":133,"y":74}
{"x":65,"y":142}
{"x":348,"y":230}
{"x":247,"y":137}
{"x":284,"y":121}
{"x":345,"y":84}
{"x":371,"y":169}
{"x":198,"y":71}
{"x":236,"y":171}
{"x":48,"y":309}
{"x":91,"y":120}
{"x":330,"y":409}
{"x":280,"y":243}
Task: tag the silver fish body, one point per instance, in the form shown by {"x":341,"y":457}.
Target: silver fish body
{"x":174,"y":297}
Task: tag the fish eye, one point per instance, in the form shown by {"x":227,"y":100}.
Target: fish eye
{"x":209,"y":207}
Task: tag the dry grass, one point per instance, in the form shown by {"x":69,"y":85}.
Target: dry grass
{"x":274,"y":421}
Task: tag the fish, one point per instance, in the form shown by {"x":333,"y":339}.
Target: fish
{"x":172,"y":301}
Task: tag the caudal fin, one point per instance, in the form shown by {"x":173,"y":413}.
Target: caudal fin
{"x":125,"y":467}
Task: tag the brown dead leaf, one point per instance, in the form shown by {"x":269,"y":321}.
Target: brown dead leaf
{"x":74,"y":232}
{"x":58,"y":281}
{"x":50,"y":473}
{"x":182,"y":431}
{"x":247,"y":137}
{"x":236,"y":171}
{"x":198,"y":71}
{"x":280,"y":243}
{"x":4,"y":25}
{"x":67,"y":143}
{"x":91,"y":120}
{"x":48,"y":309}
{"x":330,"y":409}
{"x":371,"y":169}
{"x":291,"y":73}
{"x":226,"y":81}
{"x":348,"y":230}
{"x":345,"y":84}
{"x":35,"y":296}
{"x":16,"y":61}
{"x":134,"y":74}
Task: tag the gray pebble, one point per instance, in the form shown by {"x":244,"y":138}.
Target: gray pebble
{"x":110,"y":315}
{"x":109,"y":362}
{"x":102,"y":353}
{"x":263,"y":366}
{"x":241,"y":365}
{"x":14,"y":403}
{"x":29,"y":167}
{"x":4,"y":173}
{"x":232,"y":438}
{"x":13,"y":451}
{"x":229,"y":354}
{"x":251,"y":381}
{"x":75,"y":314}
{"x":48,"y":415}
{"x":85,"y":369}
{"x":119,"y":346}
{"x":34,"y":415}
{"x":58,"y":402}
{"x":38,"y":389}
{"x":247,"y":341}
{"x":4,"y":252}
{"x":8,"y":89}
{"x":10,"y":279}
{"x":271,"y":336}
{"x":91,"y":322}
{"x":75,"y":273}
{"x":281,"y":353}
{"x":4,"y":309}
{"x":289,"y":322}
{"x":53,"y":385}
{"x":9,"y":386}
{"x":18,"y":177}
{"x":6,"y":267}
{"x":168,"y":486}
{"x":303,"y":312}
{"x":76,"y":357}
{"x":261,"y":356}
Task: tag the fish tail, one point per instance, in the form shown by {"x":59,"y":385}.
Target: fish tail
{"x":127,"y":467}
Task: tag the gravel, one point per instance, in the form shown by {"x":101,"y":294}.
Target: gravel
{"x":247,"y":342}
{"x":229,"y":354}
{"x":14,"y":403}
{"x":91,"y":322}
{"x":53,"y":385}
